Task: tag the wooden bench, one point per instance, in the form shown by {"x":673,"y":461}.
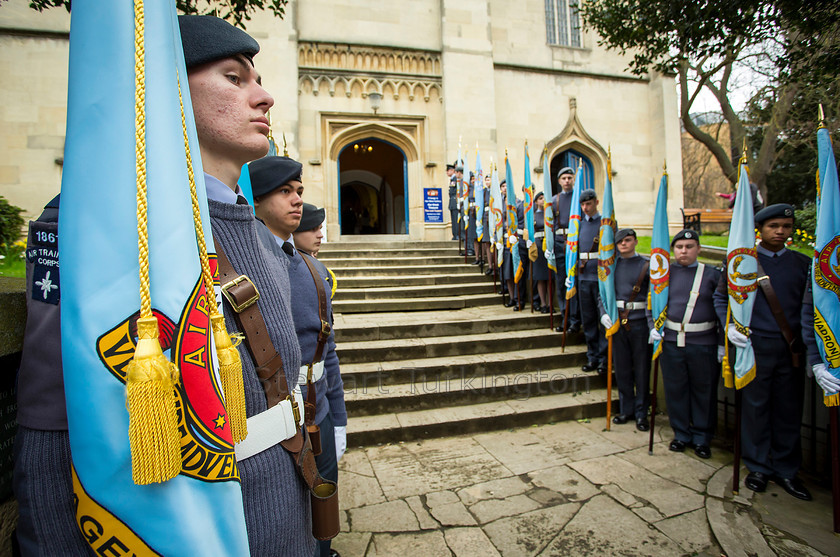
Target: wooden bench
{"x":693,"y":219}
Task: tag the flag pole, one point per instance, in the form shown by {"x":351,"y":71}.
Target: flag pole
{"x":609,"y":379}
{"x":531,"y":284}
{"x":550,"y":301}
{"x":653,"y":405}
{"x":565,"y":327}
{"x":736,"y":472}
{"x":835,"y":467}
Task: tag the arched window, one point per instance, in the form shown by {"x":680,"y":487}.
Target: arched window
{"x":572,"y":159}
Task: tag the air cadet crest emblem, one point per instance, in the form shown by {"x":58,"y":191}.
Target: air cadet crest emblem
{"x":741,"y":273}
{"x":827,"y":266}
{"x":660,"y":265}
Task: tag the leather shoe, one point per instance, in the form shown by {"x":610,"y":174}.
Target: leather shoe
{"x":619,"y":419}
{"x":543,"y":309}
{"x":510,"y":303}
{"x":589,"y":366}
{"x":476,"y":262}
{"x":520,"y":307}
{"x":642,"y":424}
{"x":757,"y":481}
{"x":677,"y":446}
{"x":602,"y":370}
{"x":703,"y":451}
{"x":795,"y":487}
{"x":488,"y":272}
{"x":574,"y":329}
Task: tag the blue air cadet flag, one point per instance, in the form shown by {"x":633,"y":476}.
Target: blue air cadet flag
{"x":660,"y":263}
{"x":606,"y":255}
{"x":741,"y":275}
{"x":497,"y":214}
{"x":572,"y":236}
{"x":529,"y":206}
{"x":479,"y":196}
{"x":513,"y":241}
{"x":111,"y":150}
{"x":548,"y":241}
{"x":826,"y":275}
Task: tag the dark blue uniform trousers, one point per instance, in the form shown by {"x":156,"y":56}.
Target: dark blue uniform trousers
{"x":771,"y":410}
{"x":328,"y":468}
{"x":560,"y":285}
{"x":596,"y":342}
{"x":631,"y":362}
{"x":690,"y":375}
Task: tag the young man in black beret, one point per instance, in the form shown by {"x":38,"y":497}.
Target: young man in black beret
{"x":771,"y":409}
{"x":277,"y":186}
{"x":453,"y":200}
{"x":561,"y":205}
{"x":631,"y":350}
{"x":587,"y":286}
{"x":690,"y":354}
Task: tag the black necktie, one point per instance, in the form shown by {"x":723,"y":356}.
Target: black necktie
{"x":240,"y":200}
{"x":289,"y":249}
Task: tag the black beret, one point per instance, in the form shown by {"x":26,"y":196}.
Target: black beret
{"x":588,"y":195}
{"x":685,"y":234}
{"x":777,"y":211}
{"x":269,"y":173}
{"x":448,"y":166}
{"x":503,"y":183}
{"x":459,"y":168}
{"x":623,"y":233}
{"x":311,"y":217}
{"x":206,"y":39}
{"x":565,"y":170}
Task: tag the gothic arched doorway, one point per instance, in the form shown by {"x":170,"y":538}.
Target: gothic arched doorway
{"x":372,"y":188}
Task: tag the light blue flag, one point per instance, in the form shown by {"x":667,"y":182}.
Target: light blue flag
{"x":741,"y":275}
{"x":460,"y":186}
{"x":479,"y":196}
{"x":548,"y":240}
{"x":466,"y":200}
{"x":529,"y":199}
{"x":497,"y":214}
{"x":198,"y":512}
{"x":660,"y":264}
{"x":823,"y":151}
{"x":826,"y":275}
{"x":244,"y":183}
{"x":513,"y":242}
{"x":606,"y":255}
{"x":572,"y":237}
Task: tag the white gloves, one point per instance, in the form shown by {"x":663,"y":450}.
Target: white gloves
{"x":825,"y":379}
{"x":654,"y":336}
{"x":721,"y":353}
{"x":736,"y":337}
{"x":340,"y":432}
{"x":569,"y":282}
{"x":606,"y":321}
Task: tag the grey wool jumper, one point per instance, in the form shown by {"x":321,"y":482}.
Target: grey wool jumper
{"x":277,"y":509}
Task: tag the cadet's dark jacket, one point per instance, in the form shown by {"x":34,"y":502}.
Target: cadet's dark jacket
{"x":453,"y":194}
{"x":788,"y":274}
{"x":627,"y":271}
{"x":330,"y":389}
{"x":561,"y":205}
{"x":679,"y":288}
{"x":590,"y":228}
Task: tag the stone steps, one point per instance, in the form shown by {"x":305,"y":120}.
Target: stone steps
{"x":336,"y":263}
{"x":358,"y":270}
{"x":399,"y":281}
{"x":392,"y":292}
{"x":414,"y":304}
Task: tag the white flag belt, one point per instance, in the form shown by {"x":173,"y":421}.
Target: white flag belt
{"x":621,"y":304}
{"x":266,"y":429}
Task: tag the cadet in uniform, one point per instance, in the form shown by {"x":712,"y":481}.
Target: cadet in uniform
{"x":540,"y":266}
{"x":631,"y":350}
{"x":453,"y":200}
{"x":690,"y":354}
{"x":771,"y":404}
{"x":276,"y":501}
{"x":472,"y":231}
{"x":561,"y":205}
{"x":590,"y":227}
{"x":487,"y":236}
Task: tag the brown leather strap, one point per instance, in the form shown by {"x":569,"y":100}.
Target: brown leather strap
{"x":637,"y":288}
{"x":778,"y":312}
{"x":323,"y":336}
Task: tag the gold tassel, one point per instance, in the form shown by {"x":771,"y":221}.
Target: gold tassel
{"x":832,"y":400}
{"x":230,"y":368}
{"x":152,"y":417}
{"x":726,"y":367}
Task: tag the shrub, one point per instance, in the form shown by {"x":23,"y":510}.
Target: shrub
{"x":10,"y":224}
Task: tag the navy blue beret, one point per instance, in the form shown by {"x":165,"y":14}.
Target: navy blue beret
{"x":312,"y":217}
{"x":623,"y":233}
{"x":588,"y":195}
{"x":565,"y":170}
{"x":777,"y":211}
{"x":269,"y":173}
{"x":206,"y":39}
{"x":685,"y":234}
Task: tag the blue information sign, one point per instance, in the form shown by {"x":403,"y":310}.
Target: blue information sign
{"x":432,"y":204}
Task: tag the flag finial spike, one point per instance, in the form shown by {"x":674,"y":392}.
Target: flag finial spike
{"x":745,"y":147}
{"x":285,"y":146}
{"x":665,"y":165}
{"x":821,"y":116}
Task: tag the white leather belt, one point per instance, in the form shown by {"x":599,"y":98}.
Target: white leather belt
{"x":682,"y":329}
{"x":561,"y":231}
{"x":621,"y":304}
{"x":539,"y":235}
{"x":317,"y":373}
{"x":268,"y":428}
{"x":585,"y":256}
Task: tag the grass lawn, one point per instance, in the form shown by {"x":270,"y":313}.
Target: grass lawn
{"x":717,"y":241}
{"x":13,"y":267}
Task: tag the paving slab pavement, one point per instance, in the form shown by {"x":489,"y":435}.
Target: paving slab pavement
{"x":568,"y":488}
